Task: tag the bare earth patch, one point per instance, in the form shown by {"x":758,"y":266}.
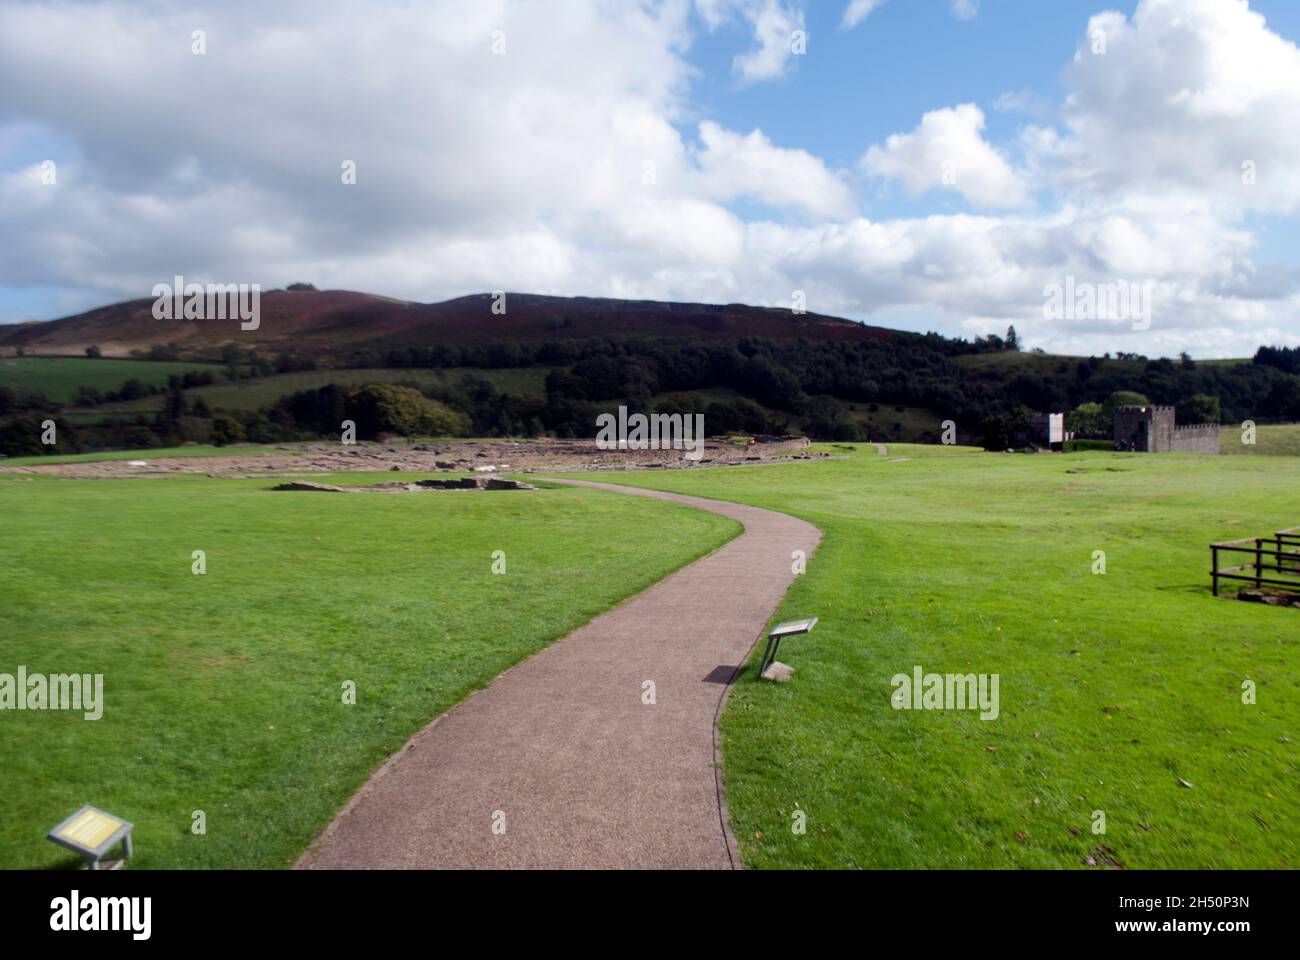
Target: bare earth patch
{"x":460,"y":456}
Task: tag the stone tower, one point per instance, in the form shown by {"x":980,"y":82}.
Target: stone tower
{"x":1153,"y":429}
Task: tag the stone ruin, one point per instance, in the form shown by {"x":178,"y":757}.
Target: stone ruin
{"x":401,"y":486}
{"x":1153,"y":429}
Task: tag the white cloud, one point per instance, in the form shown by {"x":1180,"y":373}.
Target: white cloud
{"x":857,"y":11}
{"x":732,"y":165}
{"x":528,"y":171}
{"x":965,"y":9}
{"x":1187,"y":92}
{"x":948,"y":151}
{"x":1026,"y":102}
{"x":774,"y":24}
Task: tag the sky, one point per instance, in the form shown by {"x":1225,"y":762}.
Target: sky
{"x":920,"y":164}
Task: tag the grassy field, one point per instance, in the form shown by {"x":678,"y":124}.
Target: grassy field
{"x":1041,"y":364}
{"x":223,"y":691}
{"x":887,"y":420}
{"x":1271,"y":439}
{"x":1046,"y":363}
{"x":58,"y":377}
{"x":1116,"y":690}
{"x":265,"y":391}
{"x":195,"y":450}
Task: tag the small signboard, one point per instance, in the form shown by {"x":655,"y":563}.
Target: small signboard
{"x":792,"y":627}
{"x":782,"y":630}
{"x":92,"y":833}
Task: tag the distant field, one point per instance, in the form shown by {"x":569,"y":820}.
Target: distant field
{"x":908,"y":423}
{"x":158,"y":454}
{"x":58,"y":377}
{"x":910,"y":451}
{"x":1041,"y":363}
{"x":1271,"y":439}
{"x":223,"y":692}
{"x":1120,"y":693}
{"x":265,"y":391}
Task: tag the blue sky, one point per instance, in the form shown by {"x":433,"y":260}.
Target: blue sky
{"x":907,"y":57}
{"x":773,"y":172}
{"x":912,"y":56}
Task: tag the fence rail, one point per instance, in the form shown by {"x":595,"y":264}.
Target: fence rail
{"x":1279,"y":553}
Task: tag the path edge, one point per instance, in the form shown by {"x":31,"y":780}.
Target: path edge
{"x":381,"y":770}
{"x":729,"y":838}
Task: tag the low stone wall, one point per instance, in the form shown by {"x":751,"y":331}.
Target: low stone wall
{"x":1198,"y":438}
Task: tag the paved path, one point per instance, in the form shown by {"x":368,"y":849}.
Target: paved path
{"x":584,"y":773}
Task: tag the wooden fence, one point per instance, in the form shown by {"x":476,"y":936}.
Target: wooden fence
{"x":1278,"y":554}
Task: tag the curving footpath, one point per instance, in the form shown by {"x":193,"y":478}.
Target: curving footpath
{"x":561,"y":750}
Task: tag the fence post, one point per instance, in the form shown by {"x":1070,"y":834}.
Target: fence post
{"x":1259,"y":560}
{"x":1214,"y":567}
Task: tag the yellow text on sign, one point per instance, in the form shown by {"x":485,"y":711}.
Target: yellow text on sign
{"x":91,"y":829}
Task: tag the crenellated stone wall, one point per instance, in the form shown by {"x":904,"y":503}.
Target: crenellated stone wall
{"x":1153,"y":429}
{"x":1197,"y":438}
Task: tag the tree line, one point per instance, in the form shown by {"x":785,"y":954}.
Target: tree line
{"x":746,"y":384}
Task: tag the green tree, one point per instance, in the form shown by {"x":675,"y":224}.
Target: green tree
{"x":1002,"y":431}
{"x":140,"y":437}
{"x":387,"y":408}
{"x":225,"y":430}
{"x":88,"y":397}
{"x":1122,"y":398}
{"x":175,"y":404}
{"x":94,"y":352}
{"x":1088,"y":419}
{"x":133,"y":389}
{"x":1199,"y":408}
{"x":22,"y":436}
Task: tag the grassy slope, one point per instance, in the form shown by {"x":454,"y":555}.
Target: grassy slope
{"x":1045,"y":363}
{"x":1271,"y":439}
{"x":527,"y":382}
{"x":1112,"y":687}
{"x":58,"y":377}
{"x":223,"y":691}
{"x":265,"y":391}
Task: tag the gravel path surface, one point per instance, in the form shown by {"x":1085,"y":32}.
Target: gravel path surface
{"x":562,"y":753}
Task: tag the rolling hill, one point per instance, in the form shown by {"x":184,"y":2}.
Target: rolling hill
{"x":552,"y":364}
{"x":326,"y":323}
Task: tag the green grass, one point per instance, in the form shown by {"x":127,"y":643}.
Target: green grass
{"x":223,"y":691}
{"x":1271,"y":439}
{"x":58,"y":377}
{"x":265,"y":391}
{"x":1010,"y":361}
{"x":886,"y":420}
{"x":1113,"y":688}
{"x":196,"y":450}
{"x":1025,"y":361}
